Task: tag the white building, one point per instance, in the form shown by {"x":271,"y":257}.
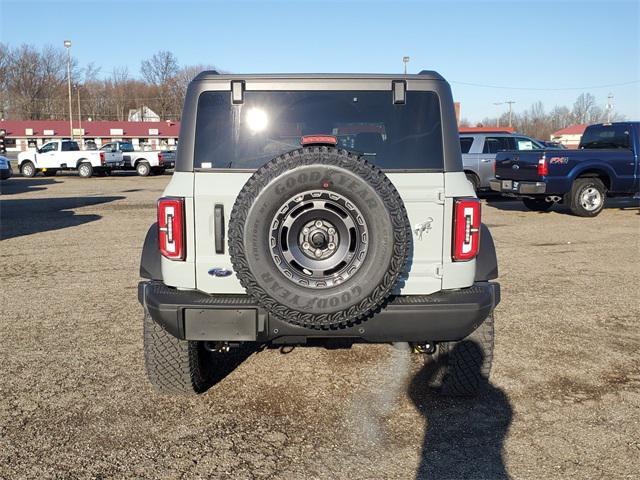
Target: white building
{"x":143,"y":114}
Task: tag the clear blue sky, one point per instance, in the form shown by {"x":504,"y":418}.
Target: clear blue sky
{"x":527,"y":44}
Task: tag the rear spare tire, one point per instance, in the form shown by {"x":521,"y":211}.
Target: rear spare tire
{"x":319,"y":237}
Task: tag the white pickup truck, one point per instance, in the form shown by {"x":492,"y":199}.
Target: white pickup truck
{"x":144,"y":163}
{"x":65,"y":155}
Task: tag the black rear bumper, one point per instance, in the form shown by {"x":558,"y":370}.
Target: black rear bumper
{"x":443,"y":316}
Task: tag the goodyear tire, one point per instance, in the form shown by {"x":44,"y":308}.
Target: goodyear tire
{"x":319,"y":237}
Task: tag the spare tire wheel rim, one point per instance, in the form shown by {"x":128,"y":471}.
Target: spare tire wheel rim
{"x":318,"y":239}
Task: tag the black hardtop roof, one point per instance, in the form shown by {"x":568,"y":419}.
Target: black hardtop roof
{"x":214,"y":75}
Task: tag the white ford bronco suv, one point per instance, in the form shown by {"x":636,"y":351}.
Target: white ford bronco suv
{"x":317,"y":208}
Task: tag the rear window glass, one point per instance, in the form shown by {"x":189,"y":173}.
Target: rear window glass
{"x":70,"y":147}
{"x":609,"y":136}
{"x":268,"y":124}
{"x":465,"y":144}
{"x":496,"y":144}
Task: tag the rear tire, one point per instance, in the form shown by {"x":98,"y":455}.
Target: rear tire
{"x":537,"y":205}
{"x":173,"y":365}
{"x":28,"y":169}
{"x":587,"y":197}
{"x":85,"y":170}
{"x":183,"y":366}
{"x":462,"y":368}
{"x":143,"y":169}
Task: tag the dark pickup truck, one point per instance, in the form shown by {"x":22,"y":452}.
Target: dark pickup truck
{"x":605,"y":164}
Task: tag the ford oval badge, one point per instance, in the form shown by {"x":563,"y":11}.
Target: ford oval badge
{"x":219,"y":272}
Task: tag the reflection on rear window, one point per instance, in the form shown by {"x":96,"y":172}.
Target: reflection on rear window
{"x":606,"y":136}
{"x":267,"y":124}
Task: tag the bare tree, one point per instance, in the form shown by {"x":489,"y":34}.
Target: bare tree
{"x":159,"y":71}
{"x":5,"y":56}
{"x":583,"y":108}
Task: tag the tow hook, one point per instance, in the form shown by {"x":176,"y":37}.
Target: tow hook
{"x":220,"y":347}
{"x":428,"y":348}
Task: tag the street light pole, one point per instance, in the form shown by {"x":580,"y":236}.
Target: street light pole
{"x":405,"y":60}
{"x":79,"y":114}
{"x":67,"y":45}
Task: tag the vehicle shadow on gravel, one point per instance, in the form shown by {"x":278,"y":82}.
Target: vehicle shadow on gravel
{"x":464,"y":437}
{"x":27,"y":216}
{"x":513,"y":205}
{"x":24,"y":185}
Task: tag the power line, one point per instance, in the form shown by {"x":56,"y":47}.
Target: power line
{"x":593,"y":87}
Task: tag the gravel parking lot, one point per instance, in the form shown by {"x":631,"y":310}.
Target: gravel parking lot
{"x":564,"y":399}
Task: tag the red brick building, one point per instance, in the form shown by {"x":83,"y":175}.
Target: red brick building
{"x":22,"y":135}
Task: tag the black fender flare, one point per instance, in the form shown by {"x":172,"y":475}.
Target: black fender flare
{"x":487,"y":260}
{"x":150,"y":263}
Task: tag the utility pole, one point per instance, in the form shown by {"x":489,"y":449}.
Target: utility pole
{"x":609,"y":107}
{"x":497,"y":104}
{"x":67,"y":45}
{"x":405,"y":60}
{"x":510,"y":102}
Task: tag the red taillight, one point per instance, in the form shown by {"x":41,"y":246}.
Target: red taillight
{"x":160,"y":159}
{"x":318,"y":139}
{"x":466,"y":229}
{"x":543,"y":167}
{"x":102,"y":158}
{"x":171,"y":228}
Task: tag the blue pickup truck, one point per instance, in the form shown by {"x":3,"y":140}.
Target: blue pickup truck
{"x":605,"y":164}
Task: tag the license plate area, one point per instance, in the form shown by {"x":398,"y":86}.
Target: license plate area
{"x":220,"y":324}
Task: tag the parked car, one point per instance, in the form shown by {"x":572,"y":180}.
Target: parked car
{"x":144,"y":163}
{"x":326,"y":196}
{"x":605,"y":164}
{"x":5,"y":168}
{"x":65,"y":155}
{"x":479,"y":153}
